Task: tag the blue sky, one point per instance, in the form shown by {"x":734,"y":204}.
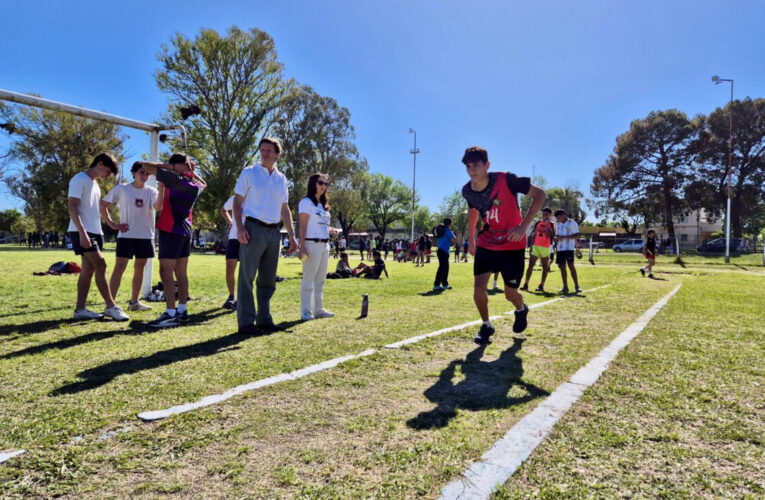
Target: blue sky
{"x":542,"y":85}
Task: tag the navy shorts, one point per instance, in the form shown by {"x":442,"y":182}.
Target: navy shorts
{"x":174,"y":246}
{"x":563,"y":256}
{"x":96,"y":242}
{"x":232,"y":250}
{"x":139,"y":248}
{"x":508,"y":262}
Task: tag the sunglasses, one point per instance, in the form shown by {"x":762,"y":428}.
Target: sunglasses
{"x":321,"y":183}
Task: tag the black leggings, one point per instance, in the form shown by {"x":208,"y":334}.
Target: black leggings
{"x":442,"y":275}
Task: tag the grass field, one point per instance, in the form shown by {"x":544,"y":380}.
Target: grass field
{"x":678,"y":415}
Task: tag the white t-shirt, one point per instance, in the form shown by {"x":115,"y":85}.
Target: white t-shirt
{"x":318,"y":219}
{"x":88,"y":192}
{"x":229,"y":206}
{"x":136,"y":209}
{"x":566,"y":229}
{"x":263,"y":193}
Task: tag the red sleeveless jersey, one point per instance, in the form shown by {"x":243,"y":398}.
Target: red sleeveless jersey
{"x":502,"y":216}
{"x":541,"y":234}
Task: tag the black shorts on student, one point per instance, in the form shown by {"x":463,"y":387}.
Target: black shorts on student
{"x":232,"y":250}
{"x":96,"y":242}
{"x":174,"y":246}
{"x":509,"y":263}
{"x":563,"y":256}
{"x":139,"y":248}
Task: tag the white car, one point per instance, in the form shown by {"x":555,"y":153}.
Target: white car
{"x":629,"y":246}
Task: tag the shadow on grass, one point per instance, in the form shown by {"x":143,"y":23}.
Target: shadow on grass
{"x":23,"y":312}
{"x":136,"y":328}
{"x":485,"y":386}
{"x":431,"y":293}
{"x":102,"y":375}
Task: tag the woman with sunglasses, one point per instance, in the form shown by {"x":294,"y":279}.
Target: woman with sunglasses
{"x":314,"y":217}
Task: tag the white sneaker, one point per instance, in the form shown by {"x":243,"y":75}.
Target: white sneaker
{"x":86,"y":314}
{"x":306,"y":317}
{"x":324,"y":314}
{"x":138,"y":306}
{"x":116,"y":313}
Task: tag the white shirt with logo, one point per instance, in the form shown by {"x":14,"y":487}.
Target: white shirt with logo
{"x":566,"y":229}
{"x":136,"y":209}
{"x":318,"y":219}
{"x":85,"y":189}
{"x":263,"y":193}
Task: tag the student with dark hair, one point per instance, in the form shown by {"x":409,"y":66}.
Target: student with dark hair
{"x":501,"y":243}
{"x":444,"y":242}
{"x":232,"y":254}
{"x":649,"y":252}
{"x":179,"y":188}
{"x":567,"y":232}
{"x":374,"y":271}
{"x":544,"y":233}
{"x":260,"y":204}
{"x":136,"y":203}
{"x":313,"y":211}
{"x":83,"y":203}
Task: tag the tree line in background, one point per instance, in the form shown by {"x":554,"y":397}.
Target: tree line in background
{"x":229,"y":91}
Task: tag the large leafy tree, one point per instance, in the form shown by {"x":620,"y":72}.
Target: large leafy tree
{"x":386,"y":200}
{"x":569,"y":199}
{"x":8,"y":218}
{"x":650,"y":161}
{"x":748,"y":164}
{"x":236,"y":84}
{"x":455,"y":207}
{"x":346,"y":201}
{"x":48,"y":149}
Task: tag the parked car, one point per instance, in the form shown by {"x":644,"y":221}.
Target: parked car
{"x":718,"y":246}
{"x":629,"y":246}
{"x":9,"y":239}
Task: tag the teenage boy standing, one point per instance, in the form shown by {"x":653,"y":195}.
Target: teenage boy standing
{"x":83,"y":200}
{"x":544,"y":232}
{"x":136,"y":203}
{"x":179,"y":188}
{"x":444,"y":242}
{"x":567,"y":232}
{"x":260,"y":203}
{"x":501,"y":243}
{"x":232,"y":254}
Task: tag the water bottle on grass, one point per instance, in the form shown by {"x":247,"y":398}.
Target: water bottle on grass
{"x":364,"y":305}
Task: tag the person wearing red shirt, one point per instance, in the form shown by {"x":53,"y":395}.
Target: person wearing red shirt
{"x":544,"y":233}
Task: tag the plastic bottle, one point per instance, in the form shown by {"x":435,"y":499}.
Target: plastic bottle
{"x":364,"y":305}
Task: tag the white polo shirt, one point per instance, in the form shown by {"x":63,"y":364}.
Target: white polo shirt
{"x":566,"y":229}
{"x":318,"y":219}
{"x":136,"y":209}
{"x":88,"y":192}
{"x":263,"y":193}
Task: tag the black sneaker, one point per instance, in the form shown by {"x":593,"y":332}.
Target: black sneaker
{"x":520,"y":319}
{"x":484,"y":333}
{"x":564,"y":290}
{"x":164,"y":321}
{"x":230,"y":303}
{"x":525,"y":287}
{"x":269,"y":327}
{"x":183,"y":317}
{"x":578,"y":289}
{"x":540,"y":288}
{"x":642,"y":271}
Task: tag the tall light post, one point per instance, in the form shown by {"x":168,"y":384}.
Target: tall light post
{"x":414,"y":152}
{"x":717,"y":80}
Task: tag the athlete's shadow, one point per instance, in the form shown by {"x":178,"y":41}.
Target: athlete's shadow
{"x":485,"y":386}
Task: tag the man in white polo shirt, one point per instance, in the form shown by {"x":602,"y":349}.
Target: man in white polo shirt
{"x":83,"y":200}
{"x":260,"y":203}
{"x":566,"y":234}
{"x":136,"y":203}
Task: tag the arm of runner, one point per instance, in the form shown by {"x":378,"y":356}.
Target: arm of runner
{"x":241,"y":233}
{"x":226,"y":216}
{"x":538,"y":200}
{"x":73,"y":205}
{"x":287,"y":219}
{"x":473,"y":217}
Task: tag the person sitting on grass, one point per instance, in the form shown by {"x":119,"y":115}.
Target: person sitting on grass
{"x":374,"y":271}
{"x":344,"y":269}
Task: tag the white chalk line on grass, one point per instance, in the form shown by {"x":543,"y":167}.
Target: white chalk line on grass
{"x":501,"y":461}
{"x":5,"y":456}
{"x":302,"y":372}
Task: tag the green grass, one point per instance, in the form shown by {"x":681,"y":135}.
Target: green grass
{"x":398,"y":424}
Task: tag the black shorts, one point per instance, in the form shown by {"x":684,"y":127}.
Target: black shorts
{"x":563,"y":256}
{"x":174,"y":246}
{"x":508,"y":262}
{"x":96,"y":242}
{"x":140,"y":248}
{"x":232,"y":250}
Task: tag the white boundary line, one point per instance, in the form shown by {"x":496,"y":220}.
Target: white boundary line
{"x":149,"y":416}
{"x":501,"y":461}
{"x":5,"y":456}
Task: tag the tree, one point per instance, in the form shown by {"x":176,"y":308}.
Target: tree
{"x":566,"y":198}
{"x":346,"y":202}
{"x":236,"y":83}
{"x":8,"y":218}
{"x":385,"y":201}
{"x":424,"y":220}
{"x":525,"y":201}
{"x":653,"y":155}
{"x":748,"y":163}
{"x":22,"y":226}
{"x":455,"y":207}
{"x":317,"y":136}
{"x":49,"y":148}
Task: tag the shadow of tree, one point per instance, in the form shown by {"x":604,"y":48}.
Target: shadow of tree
{"x":485,"y":386}
{"x":101,"y":375}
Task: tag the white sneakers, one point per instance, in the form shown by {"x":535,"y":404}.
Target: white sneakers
{"x":116,"y":313}
{"x":323,"y":314}
{"x":306,"y":316}
{"x":86,"y":314}
{"x":138,"y":306}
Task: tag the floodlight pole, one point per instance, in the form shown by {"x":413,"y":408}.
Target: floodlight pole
{"x":716,"y":79}
{"x":153,"y":128}
{"x":413,"y":152}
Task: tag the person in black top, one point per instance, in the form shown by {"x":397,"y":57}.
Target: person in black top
{"x":649,"y":251}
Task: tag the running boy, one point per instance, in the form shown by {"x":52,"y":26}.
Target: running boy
{"x":649,"y":251}
{"x":544,"y":233}
{"x":501,"y":243}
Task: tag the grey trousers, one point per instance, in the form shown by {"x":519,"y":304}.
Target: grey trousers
{"x":260,"y":256}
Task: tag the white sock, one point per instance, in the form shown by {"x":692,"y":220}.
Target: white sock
{"x":170,"y":312}
{"x":495,"y":284}
{"x":519,"y":310}
{"x":488,"y":323}
{"x":181,"y":308}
